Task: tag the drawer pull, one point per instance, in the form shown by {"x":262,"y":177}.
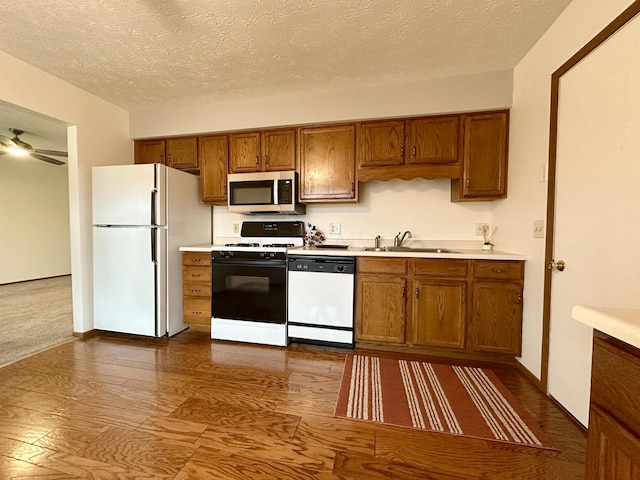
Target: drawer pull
{"x":497,"y":270}
{"x":196,"y":275}
{"x":196,"y":290}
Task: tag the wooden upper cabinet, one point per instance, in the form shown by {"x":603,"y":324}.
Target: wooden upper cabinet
{"x":433,"y":140}
{"x":327,"y":164}
{"x":244,"y":152}
{"x":279,"y":150}
{"x":149,"y":151}
{"x":381,"y":143}
{"x":267,"y":151}
{"x":182,"y":152}
{"x":484,"y":157}
{"x":214,"y":155}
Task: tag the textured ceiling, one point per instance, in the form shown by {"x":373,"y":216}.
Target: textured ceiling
{"x":145,"y":53}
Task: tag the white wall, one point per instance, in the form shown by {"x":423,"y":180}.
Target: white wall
{"x":444,"y":95}
{"x":34,"y":208}
{"x":99,"y":136}
{"x":528,"y":153}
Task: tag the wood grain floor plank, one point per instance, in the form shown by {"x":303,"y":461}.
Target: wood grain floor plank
{"x":139,"y":450}
{"x":73,"y":466}
{"x":439,"y":452}
{"x":336,"y":433}
{"x":174,"y":428}
{"x":358,"y":465}
{"x":11,"y":468}
{"x":227,"y":418}
{"x":209,"y":464}
{"x":70,"y":439}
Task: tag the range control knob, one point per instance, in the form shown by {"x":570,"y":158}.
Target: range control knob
{"x":340,"y":268}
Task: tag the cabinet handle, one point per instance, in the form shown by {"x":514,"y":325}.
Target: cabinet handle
{"x":413,"y":151}
{"x":497,"y":270}
{"x":257,"y":160}
{"x":417,"y":292}
{"x":196,"y":275}
{"x":402,"y":151}
{"x":266,"y":159}
{"x":519,"y":297}
{"x":468,"y":183}
{"x":195,"y":290}
{"x":404,"y":292}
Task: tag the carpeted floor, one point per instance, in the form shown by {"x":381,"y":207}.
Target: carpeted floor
{"x":34,"y":316}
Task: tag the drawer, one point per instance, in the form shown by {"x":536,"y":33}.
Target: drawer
{"x":196,"y":289}
{"x":196,"y":258}
{"x":381,"y":265}
{"x":196,"y":274}
{"x":614,"y":383}
{"x":496,"y":270}
{"x":197,"y":310}
{"x":440,"y":267}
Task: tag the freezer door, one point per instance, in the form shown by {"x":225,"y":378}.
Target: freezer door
{"x":129,"y":194}
{"x":127,"y":283}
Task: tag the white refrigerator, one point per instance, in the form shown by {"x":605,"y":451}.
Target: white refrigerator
{"x":142,"y":215}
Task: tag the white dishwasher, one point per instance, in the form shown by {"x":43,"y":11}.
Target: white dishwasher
{"x":320,"y":299}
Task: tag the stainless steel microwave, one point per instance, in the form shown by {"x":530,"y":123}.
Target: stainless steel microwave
{"x":264,"y":193}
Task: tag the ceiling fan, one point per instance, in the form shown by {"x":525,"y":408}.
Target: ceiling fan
{"x":19,"y":147}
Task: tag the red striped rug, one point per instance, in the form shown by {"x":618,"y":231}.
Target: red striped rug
{"x":466,"y":401}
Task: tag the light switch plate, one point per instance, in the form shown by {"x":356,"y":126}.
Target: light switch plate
{"x":538,"y":229}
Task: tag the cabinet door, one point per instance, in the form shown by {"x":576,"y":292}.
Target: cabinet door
{"x":214,"y":155}
{"x":244,"y":152}
{"x":438,"y":314}
{"x":182,"y":152}
{"x":613,"y":452}
{"x":433,"y":140}
{"x":279,"y":150}
{"x":327,"y":164}
{"x":484,"y":157}
{"x":497,"y":317}
{"x":381,"y":143}
{"x":380,"y":308}
{"x":149,"y":151}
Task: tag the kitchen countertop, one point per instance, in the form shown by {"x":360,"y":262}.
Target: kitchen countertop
{"x":464,"y":254}
{"x":620,"y":323}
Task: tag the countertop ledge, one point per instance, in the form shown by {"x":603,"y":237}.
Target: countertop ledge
{"x":620,"y":323}
{"x":464,"y":254}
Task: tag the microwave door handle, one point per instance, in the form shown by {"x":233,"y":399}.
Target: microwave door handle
{"x":275,"y":192}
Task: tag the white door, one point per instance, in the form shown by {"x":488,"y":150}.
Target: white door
{"x":125,"y":284}
{"x":597,"y":215}
{"x":125,"y":194}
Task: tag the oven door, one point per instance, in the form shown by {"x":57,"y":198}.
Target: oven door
{"x":251,"y":290}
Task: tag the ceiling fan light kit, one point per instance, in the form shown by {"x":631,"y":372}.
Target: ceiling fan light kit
{"x":18,"y":147}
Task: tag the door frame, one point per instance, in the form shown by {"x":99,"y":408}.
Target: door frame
{"x":620,"y":21}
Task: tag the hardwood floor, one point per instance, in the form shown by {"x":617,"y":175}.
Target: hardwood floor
{"x":118,"y":407}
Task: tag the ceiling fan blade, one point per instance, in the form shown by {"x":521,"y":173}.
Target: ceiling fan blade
{"x":7,"y":142}
{"x":46,"y":159}
{"x":55,"y":153}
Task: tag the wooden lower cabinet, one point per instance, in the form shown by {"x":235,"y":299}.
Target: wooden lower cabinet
{"x":455,"y":305}
{"x":196,"y":288}
{"x":613,"y":441}
{"x":497,"y":306}
{"x":438,"y":315}
{"x":381,"y":287}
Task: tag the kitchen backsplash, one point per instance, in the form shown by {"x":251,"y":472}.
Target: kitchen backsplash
{"x":385,"y":208}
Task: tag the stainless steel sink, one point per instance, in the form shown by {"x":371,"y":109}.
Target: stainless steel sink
{"x":373,"y":249}
{"x":419,"y":249}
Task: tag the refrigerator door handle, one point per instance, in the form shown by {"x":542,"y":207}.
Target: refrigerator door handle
{"x":154,"y":245}
{"x":154,"y":194}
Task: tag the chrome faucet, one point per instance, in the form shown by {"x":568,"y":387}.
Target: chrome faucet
{"x":377,"y":242}
{"x":397,"y":240}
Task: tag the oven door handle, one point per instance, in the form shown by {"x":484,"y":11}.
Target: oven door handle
{"x":248,"y":263}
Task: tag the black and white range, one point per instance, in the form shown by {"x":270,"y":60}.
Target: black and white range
{"x":255,"y":300}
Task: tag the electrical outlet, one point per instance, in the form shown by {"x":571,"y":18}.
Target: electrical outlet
{"x":483,"y":229}
{"x":538,"y":229}
{"x":236,"y":228}
{"x":334,"y":228}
